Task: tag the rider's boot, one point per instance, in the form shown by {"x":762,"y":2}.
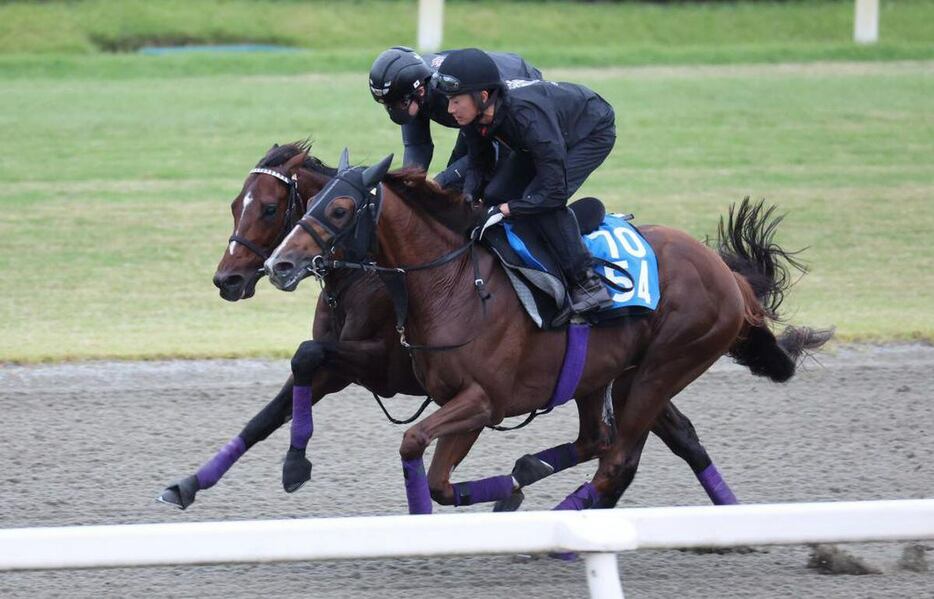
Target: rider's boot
{"x":589,"y":293}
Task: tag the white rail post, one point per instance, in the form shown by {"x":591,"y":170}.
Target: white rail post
{"x":603,"y":576}
{"x":866,"y":22}
{"x":430,"y":25}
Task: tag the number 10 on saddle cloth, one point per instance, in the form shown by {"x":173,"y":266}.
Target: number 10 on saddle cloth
{"x":617,"y":241}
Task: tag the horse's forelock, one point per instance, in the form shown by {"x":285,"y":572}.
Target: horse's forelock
{"x":279,"y":155}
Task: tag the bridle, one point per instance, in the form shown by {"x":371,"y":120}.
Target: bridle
{"x":294,"y":206}
{"x":368,"y":207}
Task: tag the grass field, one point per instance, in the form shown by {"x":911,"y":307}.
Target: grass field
{"x":61,"y":37}
{"x":115,"y":185}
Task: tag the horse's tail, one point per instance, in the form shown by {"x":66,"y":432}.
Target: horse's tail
{"x":763,"y":271}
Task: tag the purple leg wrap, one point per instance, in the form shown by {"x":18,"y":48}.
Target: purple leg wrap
{"x":560,"y":457}
{"x":213,"y":470}
{"x":716,"y":487}
{"x":416,"y":486}
{"x":583,"y":498}
{"x":302,"y":426}
{"x":494,"y":488}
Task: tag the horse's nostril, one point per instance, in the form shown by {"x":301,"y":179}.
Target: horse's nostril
{"x":232,"y":281}
{"x":228,"y":281}
{"x":283,"y":266}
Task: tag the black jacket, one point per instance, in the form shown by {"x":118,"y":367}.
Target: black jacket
{"x":416,"y":135}
{"x":542,"y":120}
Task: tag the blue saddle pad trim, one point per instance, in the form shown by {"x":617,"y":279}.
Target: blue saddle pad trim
{"x":616,"y":241}
{"x":523,"y":250}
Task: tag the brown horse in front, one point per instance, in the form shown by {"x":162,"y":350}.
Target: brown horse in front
{"x":502,"y":365}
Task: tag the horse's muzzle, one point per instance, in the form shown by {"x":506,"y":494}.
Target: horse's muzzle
{"x":285,"y":274}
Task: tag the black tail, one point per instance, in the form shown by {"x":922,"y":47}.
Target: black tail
{"x":746,"y":244}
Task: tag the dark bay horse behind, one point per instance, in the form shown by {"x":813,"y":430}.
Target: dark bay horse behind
{"x":455,"y":296}
{"x":355,"y":341}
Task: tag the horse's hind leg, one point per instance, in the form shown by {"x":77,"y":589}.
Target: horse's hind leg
{"x":638,"y":407}
{"x":677,"y":432}
{"x":182,"y":493}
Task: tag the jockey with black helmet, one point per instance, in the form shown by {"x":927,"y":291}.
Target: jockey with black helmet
{"x":558,"y":134}
{"x":399,"y":80}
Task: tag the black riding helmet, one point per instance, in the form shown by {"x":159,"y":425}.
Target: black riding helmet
{"x":395,"y":77}
{"x":467,"y":70}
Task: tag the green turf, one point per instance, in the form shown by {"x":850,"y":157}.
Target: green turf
{"x":343,"y":36}
{"x":114,"y":195}
{"x":116,"y":169}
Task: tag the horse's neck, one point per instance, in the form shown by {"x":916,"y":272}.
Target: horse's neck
{"x":408,"y":237}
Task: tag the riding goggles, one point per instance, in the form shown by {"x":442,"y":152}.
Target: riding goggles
{"x":446,"y":84}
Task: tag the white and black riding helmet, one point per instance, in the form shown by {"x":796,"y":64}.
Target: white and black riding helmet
{"x":465,"y":71}
{"x":395,"y":77}
{"x":469,"y":71}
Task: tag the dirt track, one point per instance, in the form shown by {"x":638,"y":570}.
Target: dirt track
{"x":94,"y":443}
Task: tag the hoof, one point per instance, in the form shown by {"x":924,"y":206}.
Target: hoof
{"x":529,"y":469}
{"x":296,"y":471}
{"x":181,"y":494}
{"x":511,"y":503}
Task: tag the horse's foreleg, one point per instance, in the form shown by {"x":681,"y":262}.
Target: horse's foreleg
{"x":677,"y":432}
{"x":312,"y":382}
{"x":468,"y":411}
{"x":182,"y":493}
{"x":594,"y":436}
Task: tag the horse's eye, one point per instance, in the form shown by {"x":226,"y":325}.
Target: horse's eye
{"x":269,"y":209}
{"x":340,"y":212}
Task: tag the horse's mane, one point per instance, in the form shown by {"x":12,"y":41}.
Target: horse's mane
{"x":445,"y":206}
{"x":279,"y":155}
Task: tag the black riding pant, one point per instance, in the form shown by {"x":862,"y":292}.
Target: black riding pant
{"x":556,"y":224}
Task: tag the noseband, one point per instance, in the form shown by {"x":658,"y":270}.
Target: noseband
{"x":293,"y":207}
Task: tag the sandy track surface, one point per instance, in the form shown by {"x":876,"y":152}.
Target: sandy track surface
{"x":94,"y":443}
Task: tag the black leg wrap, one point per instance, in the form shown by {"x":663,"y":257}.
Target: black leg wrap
{"x":511,"y":503}
{"x":306,"y":359}
{"x":180,"y":494}
{"x":530,"y":469}
{"x":296,"y":471}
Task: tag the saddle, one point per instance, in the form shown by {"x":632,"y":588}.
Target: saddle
{"x":621,"y":257}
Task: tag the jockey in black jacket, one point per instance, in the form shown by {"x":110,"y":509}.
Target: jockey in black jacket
{"x":399,"y":81}
{"x":558,"y":134}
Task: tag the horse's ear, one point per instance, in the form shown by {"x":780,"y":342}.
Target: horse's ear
{"x":344,"y":163}
{"x":295,"y":161}
{"x":375,"y":173}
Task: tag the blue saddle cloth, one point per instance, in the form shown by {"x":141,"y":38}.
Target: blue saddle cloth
{"x":623,"y":258}
{"x":617,"y":242}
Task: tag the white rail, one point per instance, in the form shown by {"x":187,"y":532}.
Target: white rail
{"x":598,"y":534}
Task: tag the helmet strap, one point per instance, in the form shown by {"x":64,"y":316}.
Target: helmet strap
{"x":492,"y":96}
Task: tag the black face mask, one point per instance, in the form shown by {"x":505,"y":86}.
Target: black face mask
{"x":399,"y":111}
